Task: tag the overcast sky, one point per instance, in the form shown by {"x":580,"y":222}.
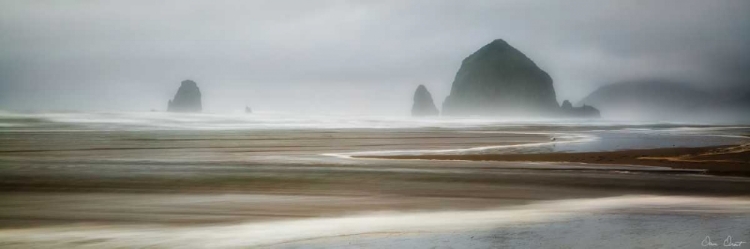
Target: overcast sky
{"x":347,"y":56}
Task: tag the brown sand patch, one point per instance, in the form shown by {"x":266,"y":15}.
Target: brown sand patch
{"x":719,"y":160}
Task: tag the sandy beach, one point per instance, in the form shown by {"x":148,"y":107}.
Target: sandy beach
{"x":730,"y":160}
{"x":98,"y":186}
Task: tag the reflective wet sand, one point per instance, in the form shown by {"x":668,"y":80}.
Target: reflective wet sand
{"x":136,"y":182}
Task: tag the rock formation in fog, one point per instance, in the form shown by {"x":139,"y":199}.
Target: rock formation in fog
{"x":647,"y":99}
{"x":566,"y":105}
{"x":662,"y":100}
{"x":423,"y":104}
{"x":500,"y":80}
{"x":187,"y":99}
{"x":723,"y":107}
{"x":584,"y":111}
{"x":248,"y":110}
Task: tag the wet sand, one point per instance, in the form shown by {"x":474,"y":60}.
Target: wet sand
{"x":180,"y":195}
{"x":98,"y":188}
{"x":619,"y":222}
{"x":186,"y":177}
{"x":730,"y":160}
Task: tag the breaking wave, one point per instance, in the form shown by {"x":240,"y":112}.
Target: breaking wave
{"x":257,"y":121}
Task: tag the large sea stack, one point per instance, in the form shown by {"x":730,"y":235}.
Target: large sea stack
{"x":187,"y":99}
{"x":423,"y":104}
{"x":499,"y":80}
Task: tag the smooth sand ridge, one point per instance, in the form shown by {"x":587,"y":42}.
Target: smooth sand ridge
{"x":271,"y":233}
{"x":556,"y":138}
{"x":560,"y":138}
{"x":731,"y":160}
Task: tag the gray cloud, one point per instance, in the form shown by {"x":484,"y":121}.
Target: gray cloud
{"x":347,"y":56}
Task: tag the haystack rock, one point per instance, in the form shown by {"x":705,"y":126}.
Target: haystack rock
{"x":423,"y":104}
{"x":248,"y":110}
{"x":187,"y":99}
{"x":499,"y":80}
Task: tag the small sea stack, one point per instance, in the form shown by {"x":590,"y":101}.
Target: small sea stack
{"x":585,"y":111}
{"x":423,"y":103}
{"x":187,"y":99}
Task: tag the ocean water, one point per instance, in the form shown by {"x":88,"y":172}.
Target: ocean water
{"x":615,"y":222}
{"x":619,"y":222}
{"x":240,"y":121}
